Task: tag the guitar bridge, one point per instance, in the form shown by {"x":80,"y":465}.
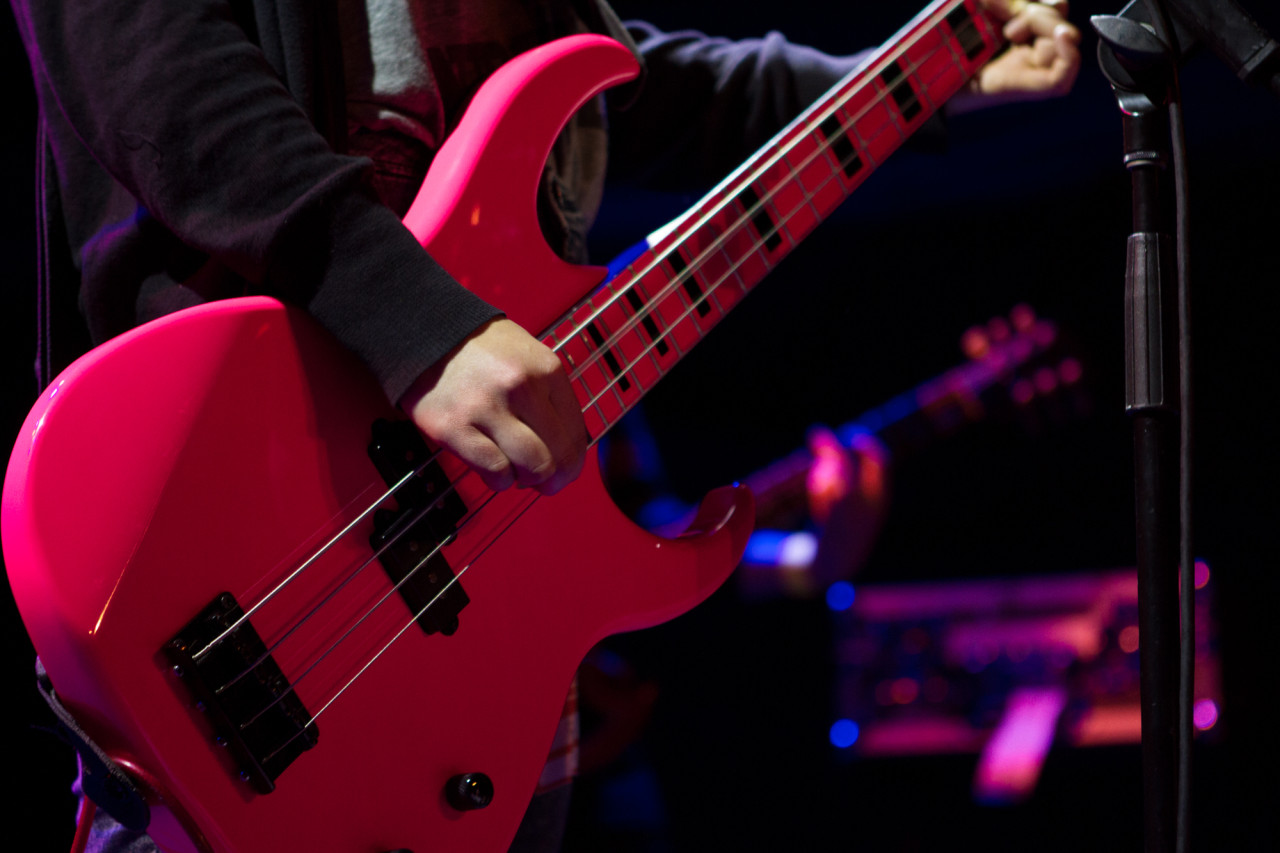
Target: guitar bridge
{"x":239,"y":688}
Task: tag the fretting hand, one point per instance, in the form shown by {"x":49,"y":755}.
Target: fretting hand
{"x":1042,"y":60}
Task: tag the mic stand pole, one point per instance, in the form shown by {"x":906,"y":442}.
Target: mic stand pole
{"x":1141,"y":73}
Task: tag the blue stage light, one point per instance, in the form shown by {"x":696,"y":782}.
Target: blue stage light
{"x":844,"y":733}
{"x":840,"y":595}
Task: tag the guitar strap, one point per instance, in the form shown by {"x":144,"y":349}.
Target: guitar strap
{"x":101,"y":779}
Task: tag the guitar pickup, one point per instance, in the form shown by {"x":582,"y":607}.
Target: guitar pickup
{"x":251,"y":706}
{"x":410,"y":537}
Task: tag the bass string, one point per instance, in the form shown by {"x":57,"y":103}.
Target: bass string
{"x":363,"y":617}
{"x":452,"y":488}
{"x":676,"y":281}
{"x":310,"y":561}
{"x":694,"y":266}
{"x":702,"y":258}
{"x":421,"y":514}
{"x":732,"y":191}
{"x":529,"y":499}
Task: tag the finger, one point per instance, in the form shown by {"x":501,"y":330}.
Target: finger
{"x":549,"y":412}
{"x":1066,"y":63}
{"x":1006,"y":10}
{"x":568,"y":445}
{"x":831,"y":475}
{"x":1038,"y":20}
{"x":1030,"y":72}
{"x":1003,"y":10}
{"x":1043,"y":52}
{"x":524,"y":447}
{"x":483,"y":455}
{"x":873,"y":468}
{"x":1035,"y":81}
{"x":1067,"y":38}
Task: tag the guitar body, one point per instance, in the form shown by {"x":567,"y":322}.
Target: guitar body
{"x":216,"y":450}
{"x":197,"y":515}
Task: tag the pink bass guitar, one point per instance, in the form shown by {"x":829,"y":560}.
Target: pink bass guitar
{"x":301,"y":629}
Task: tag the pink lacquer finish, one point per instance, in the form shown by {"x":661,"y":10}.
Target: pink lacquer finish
{"x":488,"y":171}
{"x":215,"y":449}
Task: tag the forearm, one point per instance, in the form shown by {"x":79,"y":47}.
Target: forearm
{"x":177,"y":103}
{"x":707,"y":103}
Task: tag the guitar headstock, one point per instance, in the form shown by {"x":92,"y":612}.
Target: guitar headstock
{"x":1019,"y":361}
{"x":1018,"y":368}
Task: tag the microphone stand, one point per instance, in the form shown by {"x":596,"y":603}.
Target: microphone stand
{"x":1135,"y":62}
{"x":1142,"y":69}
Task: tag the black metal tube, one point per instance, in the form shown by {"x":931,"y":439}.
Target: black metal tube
{"x":1155,"y":440}
{"x":1136,"y":71}
{"x":1152,"y":401}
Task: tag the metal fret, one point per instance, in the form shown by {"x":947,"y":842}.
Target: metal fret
{"x":781,"y":195}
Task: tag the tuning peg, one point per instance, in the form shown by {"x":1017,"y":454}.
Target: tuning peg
{"x":1023,"y":317}
{"x":999,"y":329}
{"x":975,"y":343}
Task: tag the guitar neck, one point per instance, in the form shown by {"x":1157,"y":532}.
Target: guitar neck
{"x":913,"y":419}
{"x":663,"y":299}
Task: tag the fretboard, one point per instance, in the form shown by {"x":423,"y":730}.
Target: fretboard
{"x":662,"y":300}
{"x":914,"y":419}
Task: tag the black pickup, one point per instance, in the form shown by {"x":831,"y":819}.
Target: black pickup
{"x":426,"y":517}
{"x":252,"y":708}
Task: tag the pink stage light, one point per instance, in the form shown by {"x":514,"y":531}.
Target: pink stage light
{"x":1070,"y":371}
{"x":1205,"y":714}
{"x":1010,"y":763}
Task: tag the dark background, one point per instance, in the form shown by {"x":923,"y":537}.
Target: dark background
{"x":1028,"y":204}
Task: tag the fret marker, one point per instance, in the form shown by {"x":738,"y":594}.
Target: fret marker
{"x":966,"y":32}
{"x":623,"y":382}
{"x":900,"y":88}
{"x":841,"y":145}
{"x":761,"y":218}
{"x":655,"y":335}
{"x":691,"y":285}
